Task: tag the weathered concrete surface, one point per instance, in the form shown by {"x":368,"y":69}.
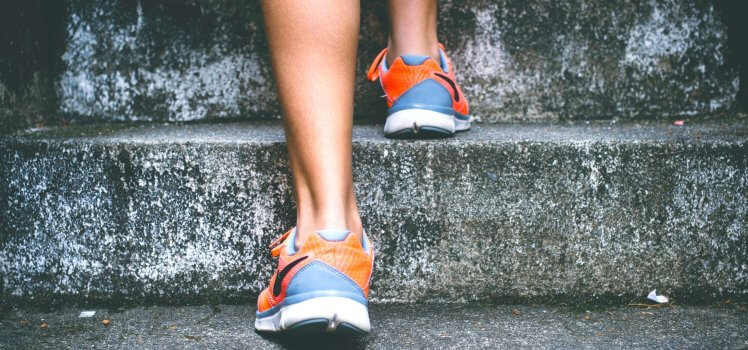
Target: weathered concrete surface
{"x":733,"y":12}
{"x":534,"y":60}
{"x":32,"y":40}
{"x":450,"y":326}
{"x":184,"y":213}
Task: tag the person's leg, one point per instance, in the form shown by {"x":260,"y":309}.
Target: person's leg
{"x":313,"y":49}
{"x":412,"y":29}
{"x":421,"y":90}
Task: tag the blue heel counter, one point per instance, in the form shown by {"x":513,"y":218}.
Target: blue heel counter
{"x":427,"y":94}
{"x":318,"y":279}
{"x":414,"y":60}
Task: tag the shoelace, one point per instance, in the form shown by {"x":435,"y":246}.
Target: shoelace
{"x":373,"y":72}
{"x":277,"y":245}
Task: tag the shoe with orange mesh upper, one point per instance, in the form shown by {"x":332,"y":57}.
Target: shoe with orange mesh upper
{"x":321,"y":287}
{"x":422,"y":96}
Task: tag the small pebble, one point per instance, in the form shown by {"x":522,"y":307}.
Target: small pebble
{"x":105,"y":322}
{"x":516,"y":312}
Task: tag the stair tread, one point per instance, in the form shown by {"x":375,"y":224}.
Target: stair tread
{"x":732,"y":129}
{"x":394,"y":327}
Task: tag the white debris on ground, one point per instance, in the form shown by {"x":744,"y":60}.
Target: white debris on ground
{"x":86,"y":314}
{"x":661,"y":299}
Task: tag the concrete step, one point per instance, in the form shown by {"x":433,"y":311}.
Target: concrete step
{"x":534,"y":60}
{"x":430,"y":326}
{"x":183,"y":213}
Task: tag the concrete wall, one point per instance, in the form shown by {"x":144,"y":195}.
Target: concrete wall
{"x":533,"y":60}
{"x":32,"y":40}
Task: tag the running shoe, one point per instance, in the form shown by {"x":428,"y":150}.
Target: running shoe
{"x":321,"y":287}
{"x":422,"y":96}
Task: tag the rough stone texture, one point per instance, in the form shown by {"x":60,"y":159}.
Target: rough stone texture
{"x":534,"y":60}
{"x":478,"y":326}
{"x":32,"y":39}
{"x":143,"y":60}
{"x":184,"y":213}
{"x":733,"y":12}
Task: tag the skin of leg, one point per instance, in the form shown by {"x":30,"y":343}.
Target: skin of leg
{"x":313,"y":50}
{"x":412,"y":29}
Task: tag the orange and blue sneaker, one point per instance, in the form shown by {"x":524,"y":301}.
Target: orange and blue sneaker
{"x":321,"y":287}
{"x":422,"y":96}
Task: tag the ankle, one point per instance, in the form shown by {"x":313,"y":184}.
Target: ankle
{"x":310,"y":222}
{"x":423,"y":47}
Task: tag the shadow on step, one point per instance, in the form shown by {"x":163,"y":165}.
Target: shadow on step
{"x":316,"y":341}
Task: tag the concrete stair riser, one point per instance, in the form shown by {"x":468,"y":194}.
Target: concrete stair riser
{"x":185,"y":213}
{"x":536,"y":60}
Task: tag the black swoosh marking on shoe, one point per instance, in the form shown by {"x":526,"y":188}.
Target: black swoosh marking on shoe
{"x":281,"y":275}
{"x":451,"y":83}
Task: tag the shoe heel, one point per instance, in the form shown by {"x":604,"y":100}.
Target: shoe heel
{"x":414,"y":121}
{"x":319,"y":315}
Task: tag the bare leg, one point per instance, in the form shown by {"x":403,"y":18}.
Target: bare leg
{"x":313,"y":48}
{"x":412,"y":29}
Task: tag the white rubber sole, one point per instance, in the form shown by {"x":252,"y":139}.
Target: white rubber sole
{"x":413,"y":121}
{"x":332,"y":310}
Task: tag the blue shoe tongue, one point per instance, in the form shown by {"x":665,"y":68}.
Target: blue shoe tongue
{"x":333,"y":235}
{"x":414,"y":60}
